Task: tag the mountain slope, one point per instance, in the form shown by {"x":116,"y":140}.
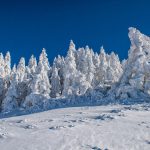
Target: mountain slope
{"x":81,"y":128}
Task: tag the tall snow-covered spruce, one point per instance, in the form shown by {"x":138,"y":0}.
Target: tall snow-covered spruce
{"x":69,"y":70}
{"x":134,"y":84}
{"x":39,"y":85}
{"x":55,"y":83}
{"x":81,"y":77}
{"x":10,"y":102}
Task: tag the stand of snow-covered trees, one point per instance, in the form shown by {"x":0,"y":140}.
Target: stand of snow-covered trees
{"x":82,"y":77}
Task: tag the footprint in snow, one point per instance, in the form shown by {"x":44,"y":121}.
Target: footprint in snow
{"x":93,"y":147}
{"x":144,"y":124}
{"x":115,"y":111}
{"x":118,"y":112}
{"x":12,"y":122}
{"x":56,"y":127}
{"x":73,"y":120}
{"x":47,"y":120}
{"x":70,"y":126}
{"x":103,"y":117}
{"x":131,"y":108}
{"x":3,"y":135}
{"x":60,"y":127}
{"x":69,"y":121}
{"x":148,"y":142}
{"x":80,"y":112}
{"x":96,"y":148}
{"x":27,"y":126}
{"x":18,"y":121}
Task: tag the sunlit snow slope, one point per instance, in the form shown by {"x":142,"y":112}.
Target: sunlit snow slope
{"x":81,"y":128}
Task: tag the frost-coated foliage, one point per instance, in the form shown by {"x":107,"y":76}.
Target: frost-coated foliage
{"x":82,"y":77}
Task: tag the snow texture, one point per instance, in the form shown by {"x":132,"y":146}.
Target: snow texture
{"x":111,"y":127}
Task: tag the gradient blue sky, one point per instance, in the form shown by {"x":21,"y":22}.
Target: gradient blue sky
{"x":28,"y":26}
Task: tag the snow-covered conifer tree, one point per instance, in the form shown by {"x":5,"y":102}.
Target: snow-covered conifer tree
{"x":10,"y":102}
{"x":72,"y":47}
{"x":60,"y":65}
{"x":91,"y":68}
{"x":55,"y":83}
{"x":7,"y":66}
{"x":44,"y":60}
{"x":134,"y":83}
{"x":102,"y":67}
{"x":2,"y":70}
{"x":32,"y":64}
{"x":21,"y":69}
{"x":70,"y":71}
{"x":96,"y":61}
{"x":80,"y":84}
{"x":81,"y":61}
{"x":43,"y":83}
{"x":114,"y":69}
{"x":39,"y":88}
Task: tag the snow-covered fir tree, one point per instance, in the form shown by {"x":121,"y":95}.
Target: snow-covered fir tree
{"x":7,"y":62}
{"x":32,"y":64}
{"x":90,"y":65}
{"x":55,"y":83}
{"x":69,"y":71}
{"x":81,"y":60}
{"x":10,"y":102}
{"x":2,"y":64}
{"x":134,"y":83}
{"x":102,"y":71}
{"x":44,"y":60}
{"x":59,"y":63}
{"x":39,"y":85}
{"x":21,"y":69}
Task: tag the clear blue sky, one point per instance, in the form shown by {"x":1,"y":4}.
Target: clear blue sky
{"x":28,"y":26}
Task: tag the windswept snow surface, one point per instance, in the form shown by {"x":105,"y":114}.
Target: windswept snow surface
{"x":116,"y":127}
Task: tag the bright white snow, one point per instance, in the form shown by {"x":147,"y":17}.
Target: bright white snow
{"x":117,"y":127}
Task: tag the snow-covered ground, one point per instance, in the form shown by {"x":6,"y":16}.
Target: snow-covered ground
{"x":117,"y":127}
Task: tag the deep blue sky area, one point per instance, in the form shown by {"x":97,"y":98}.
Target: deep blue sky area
{"x":26,"y":26}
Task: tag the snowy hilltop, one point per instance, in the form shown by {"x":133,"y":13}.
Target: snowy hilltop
{"x":82,"y":77}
